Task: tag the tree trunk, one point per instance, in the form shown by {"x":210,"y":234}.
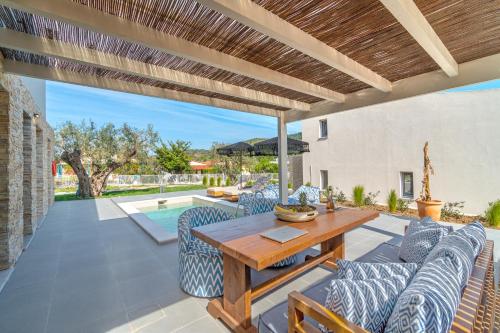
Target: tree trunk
{"x":98,"y":182}
{"x":74,"y":160}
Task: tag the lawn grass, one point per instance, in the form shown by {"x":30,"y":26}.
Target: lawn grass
{"x":124,"y":193}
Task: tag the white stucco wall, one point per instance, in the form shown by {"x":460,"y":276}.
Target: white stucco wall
{"x":372,"y":145}
{"x":37,"y":89}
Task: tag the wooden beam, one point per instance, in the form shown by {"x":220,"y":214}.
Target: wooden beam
{"x":95,"y":20}
{"x":475,"y":71}
{"x":60,"y":75}
{"x":262,"y":20}
{"x":28,"y":43}
{"x":412,"y":19}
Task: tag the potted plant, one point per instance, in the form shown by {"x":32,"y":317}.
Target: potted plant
{"x":426,"y":205}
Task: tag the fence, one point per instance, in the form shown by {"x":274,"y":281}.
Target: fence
{"x":151,"y":180}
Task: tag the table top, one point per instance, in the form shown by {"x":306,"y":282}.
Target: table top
{"x":240,"y":237}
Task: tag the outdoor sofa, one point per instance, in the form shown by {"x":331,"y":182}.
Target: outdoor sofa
{"x":305,"y":312}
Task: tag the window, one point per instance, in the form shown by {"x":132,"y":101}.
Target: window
{"x":407,"y":185}
{"x":323,"y":129}
{"x":323,"y":179}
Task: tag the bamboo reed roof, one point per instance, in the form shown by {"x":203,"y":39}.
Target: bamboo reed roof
{"x":363,"y":30}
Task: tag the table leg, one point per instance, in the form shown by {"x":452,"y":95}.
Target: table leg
{"x":335,"y":245}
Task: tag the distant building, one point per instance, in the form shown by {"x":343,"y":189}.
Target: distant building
{"x":199,"y":167}
{"x":380,"y":147}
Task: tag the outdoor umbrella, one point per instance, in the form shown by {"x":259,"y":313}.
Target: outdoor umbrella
{"x":237,"y":149}
{"x":270,"y":147}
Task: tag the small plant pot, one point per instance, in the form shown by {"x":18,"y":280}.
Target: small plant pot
{"x":429,"y":208}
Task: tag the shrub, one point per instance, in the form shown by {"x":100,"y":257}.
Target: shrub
{"x":338,"y":195}
{"x":308,"y":184}
{"x":403,"y":205}
{"x":273,"y":181}
{"x":212,"y":181}
{"x":392,"y":201}
{"x":289,"y":185}
{"x":370,"y":199}
{"x":219,"y":181}
{"x":358,"y":195}
{"x":492,"y":214}
{"x":249,"y":183}
{"x":205,"y":180}
{"x":303,"y":199}
{"x":228,"y":181}
{"x":453,"y":209}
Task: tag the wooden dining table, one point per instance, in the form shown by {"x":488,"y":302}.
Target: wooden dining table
{"x":243,"y":249}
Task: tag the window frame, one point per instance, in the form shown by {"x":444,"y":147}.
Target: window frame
{"x":321,"y":179}
{"x":402,"y":185}
{"x":320,"y":129}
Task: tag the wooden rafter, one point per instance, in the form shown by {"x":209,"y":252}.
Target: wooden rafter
{"x":95,"y":20}
{"x":260,"y":19}
{"x":412,"y":19}
{"x":475,"y":71}
{"x":66,"y":76}
{"x":47,"y":47}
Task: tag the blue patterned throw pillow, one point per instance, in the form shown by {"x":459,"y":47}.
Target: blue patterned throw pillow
{"x":458,"y":248}
{"x":428,"y":222}
{"x":354,"y":270}
{"x":476,"y":234}
{"x":367,"y":303}
{"x":419,"y":240}
{"x":430,"y":302}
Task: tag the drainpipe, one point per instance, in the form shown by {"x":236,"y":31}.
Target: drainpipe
{"x":282,"y":159}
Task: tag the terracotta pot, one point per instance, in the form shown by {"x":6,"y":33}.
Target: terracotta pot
{"x":429,"y":208}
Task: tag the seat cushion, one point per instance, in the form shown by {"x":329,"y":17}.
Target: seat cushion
{"x":459,"y":249}
{"x":476,"y":234}
{"x":431,"y":300}
{"x":419,"y":241}
{"x":198,"y":246}
{"x":361,"y":271}
{"x":366,"y":303}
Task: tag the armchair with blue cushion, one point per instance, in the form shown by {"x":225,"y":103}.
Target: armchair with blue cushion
{"x":200,"y":264}
{"x":312,"y":193}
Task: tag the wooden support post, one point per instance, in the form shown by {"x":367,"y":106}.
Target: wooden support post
{"x":335,"y":245}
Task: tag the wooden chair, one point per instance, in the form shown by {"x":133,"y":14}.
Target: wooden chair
{"x":476,"y":312}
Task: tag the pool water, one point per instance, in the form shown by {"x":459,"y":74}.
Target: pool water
{"x":167,"y":215}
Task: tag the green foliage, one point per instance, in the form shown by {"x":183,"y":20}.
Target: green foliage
{"x":358,"y":195}
{"x":308,"y":184}
{"x":338,"y":195}
{"x":402,"y":205}
{"x":371,"y":198}
{"x":273,"y":182}
{"x":265,"y":164}
{"x":492,"y":214}
{"x":212,"y":181}
{"x":228,"y":181}
{"x":219,"y":181}
{"x":290,"y":185}
{"x":249,"y":183}
{"x":204,"y":180}
{"x":303,"y":199}
{"x":453,"y":209}
{"x":124,"y":193}
{"x":174,"y":157}
{"x":392,"y":201}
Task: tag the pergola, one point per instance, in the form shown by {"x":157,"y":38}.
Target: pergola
{"x":290,"y":59}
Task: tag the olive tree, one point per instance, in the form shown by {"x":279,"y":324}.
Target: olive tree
{"x":105,"y":149}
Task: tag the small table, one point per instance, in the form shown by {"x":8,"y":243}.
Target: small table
{"x":244,"y":249}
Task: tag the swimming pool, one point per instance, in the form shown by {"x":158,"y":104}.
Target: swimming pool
{"x":158,"y":217}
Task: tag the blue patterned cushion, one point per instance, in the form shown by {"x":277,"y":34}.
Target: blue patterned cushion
{"x":354,"y":270}
{"x":200,"y":247}
{"x":476,"y":234}
{"x":418,"y":241}
{"x":311,"y":192}
{"x":430,"y":302}
{"x":458,"y":248}
{"x":428,"y":222}
{"x":366,"y":303}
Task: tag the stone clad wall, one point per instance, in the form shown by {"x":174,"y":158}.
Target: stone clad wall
{"x":17,"y":110}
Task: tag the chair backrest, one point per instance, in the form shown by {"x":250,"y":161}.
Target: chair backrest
{"x":256,"y":203}
{"x":196,"y":217}
{"x":271,"y":192}
{"x":312,"y":193}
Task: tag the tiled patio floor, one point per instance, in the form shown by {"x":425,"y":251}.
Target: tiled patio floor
{"x":91,"y":269}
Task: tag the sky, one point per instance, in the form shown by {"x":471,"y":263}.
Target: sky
{"x":173,"y":120}
{"x":199,"y":124}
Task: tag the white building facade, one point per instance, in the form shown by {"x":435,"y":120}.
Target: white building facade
{"x":380,"y":147}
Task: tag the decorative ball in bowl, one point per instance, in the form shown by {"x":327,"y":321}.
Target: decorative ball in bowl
{"x":295,"y":213}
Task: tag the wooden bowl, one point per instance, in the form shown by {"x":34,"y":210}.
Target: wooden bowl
{"x":297,"y":216}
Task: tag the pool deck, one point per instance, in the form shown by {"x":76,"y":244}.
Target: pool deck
{"x":90,"y":268}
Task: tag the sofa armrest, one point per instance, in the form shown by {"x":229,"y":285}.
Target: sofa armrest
{"x":300,"y":306}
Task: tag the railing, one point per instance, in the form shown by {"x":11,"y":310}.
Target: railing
{"x":166,"y":179}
